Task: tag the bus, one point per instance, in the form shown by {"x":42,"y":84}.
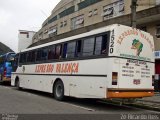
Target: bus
{"x":6,"y":66}
{"x":115,"y":61}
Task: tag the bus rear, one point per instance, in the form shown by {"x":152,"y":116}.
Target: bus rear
{"x":132,"y":53}
{"x":6,"y":67}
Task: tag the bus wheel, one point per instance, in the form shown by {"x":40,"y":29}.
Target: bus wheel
{"x":58,"y":90}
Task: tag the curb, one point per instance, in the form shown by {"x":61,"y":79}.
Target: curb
{"x":144,"y":106}
{"x":136,"y":105}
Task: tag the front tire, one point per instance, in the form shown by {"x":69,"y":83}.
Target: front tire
{"x":58,"y":90}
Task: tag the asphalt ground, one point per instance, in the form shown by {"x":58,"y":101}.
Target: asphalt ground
{"x":27,"y":104}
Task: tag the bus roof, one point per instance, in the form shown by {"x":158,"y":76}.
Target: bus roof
{"x":95,"y":31}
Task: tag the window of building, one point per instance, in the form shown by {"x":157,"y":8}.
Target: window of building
{"x":86,"y":3}
{"x":64,"y":23}
{"x":53,"y":30}
{"x":108,"y":11}
{"x":46,"y":31}
{"x":113,"y":10}
{"x":95,"y":12}
{"x":61,"y":24}
{"x":77,"y":22}
{"x":158,"y":31}
{"x":90,"y":14}
{"x":52,"y":19}
{"x":121,"y":6}
{"x":67,"y":12}
{"x":88,"y":47}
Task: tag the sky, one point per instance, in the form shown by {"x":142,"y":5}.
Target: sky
{"x":18,"y":15}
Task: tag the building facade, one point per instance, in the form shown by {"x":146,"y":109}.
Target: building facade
{"x":24,"y":39}
{"x":71,"y":15}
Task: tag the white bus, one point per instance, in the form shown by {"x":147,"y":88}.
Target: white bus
{"x":115,"y":61}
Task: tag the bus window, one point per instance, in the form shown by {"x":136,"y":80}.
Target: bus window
{"x":58,"y":51}
{"x":29,"y":55}
{"x":38,"y":57}
{"x":64,"y":55}
{"x":78,"y":48}
{"x":98,"y":45}
{"x":88,"y":47}
{"x":44,"y":54}
{"x":104,"y":44}
{"x":51,"y":52}
{"x":23,"y":57}
{"x":71,"y":49}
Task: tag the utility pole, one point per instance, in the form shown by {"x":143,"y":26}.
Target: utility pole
{"x":133,"y":13}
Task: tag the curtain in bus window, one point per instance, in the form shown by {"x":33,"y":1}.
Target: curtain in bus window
{"x":98,"y":45}
{"x":51,"y":52}
{"x":58,"y":51}
{"x":88,"y":47}
{"x":104,"y":44}
{"x":71,"y":49}
{"x":78,"y":48}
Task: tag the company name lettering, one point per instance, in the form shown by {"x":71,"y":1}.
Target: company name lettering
{"x":57,"y":68}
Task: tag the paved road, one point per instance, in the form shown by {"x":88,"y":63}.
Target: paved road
{"x":33,"y":102}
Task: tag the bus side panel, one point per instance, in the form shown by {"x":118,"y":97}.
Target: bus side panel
{"x":40,"y":82}
{"x":93,"y":80}
{"x":89,"y":87}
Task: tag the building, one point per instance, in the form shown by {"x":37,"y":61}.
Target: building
{"x":71,"y":17}
{"x":74,"y":15}
{"x":24,"y":39}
